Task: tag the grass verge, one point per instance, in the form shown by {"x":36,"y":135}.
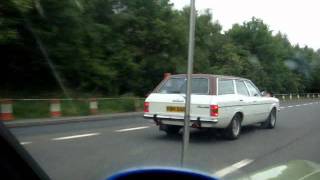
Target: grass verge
{"x":41,"y":109}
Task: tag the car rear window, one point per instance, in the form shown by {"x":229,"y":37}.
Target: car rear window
{"x":179,"y":86}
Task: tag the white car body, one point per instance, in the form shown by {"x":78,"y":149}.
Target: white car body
{"x":254,"y":108}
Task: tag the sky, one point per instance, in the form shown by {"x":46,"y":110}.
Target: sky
{"x":298,"y":19}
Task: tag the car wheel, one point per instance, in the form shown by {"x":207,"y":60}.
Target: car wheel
{"x":170,"y":129}
{"x":233,"y":130}
{"x":270,"y":123}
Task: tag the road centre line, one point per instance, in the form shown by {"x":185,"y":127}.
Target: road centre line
{"x":234,"y":167}
{"x":75,"y":136}
{"x":132,"y":129}
{"x":290,"y":106}
{"x":25,"y":143}
{"x":298,"y":105}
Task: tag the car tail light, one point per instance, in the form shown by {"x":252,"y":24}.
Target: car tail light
{"x":214,"y":110}
{"x":146,"y":106}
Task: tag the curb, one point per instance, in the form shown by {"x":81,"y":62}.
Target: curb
{"x":65,"y":120}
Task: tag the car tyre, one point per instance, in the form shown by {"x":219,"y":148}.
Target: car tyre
{"x":270,"y":123}
{"x":170,"y":129}
{"x":233,"y":131}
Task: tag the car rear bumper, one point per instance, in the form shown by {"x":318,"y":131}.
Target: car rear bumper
{"x":179,"y":120}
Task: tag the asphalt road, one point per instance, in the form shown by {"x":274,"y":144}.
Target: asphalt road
{"x":95,"y":150}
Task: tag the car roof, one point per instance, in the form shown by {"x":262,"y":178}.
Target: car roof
{"x":210,"y":75}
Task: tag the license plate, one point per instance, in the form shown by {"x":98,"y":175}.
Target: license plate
{"x":175,"y":109}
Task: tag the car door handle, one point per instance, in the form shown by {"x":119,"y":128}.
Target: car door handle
{"x":241,"y":99}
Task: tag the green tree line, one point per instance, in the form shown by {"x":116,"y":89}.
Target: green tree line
{"x":116,"y":47}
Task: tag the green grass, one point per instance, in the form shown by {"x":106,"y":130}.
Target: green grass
{"x":31,"y":109}
{"x":41,"y":109}
{"x":75,"y":108}
{"x":120,"y":105}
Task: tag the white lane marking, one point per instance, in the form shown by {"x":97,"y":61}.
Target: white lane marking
{"x":304,"y":104}
{"x":290,"y":106}
{"x":308,"y":175}
{"x":234,"y":167}
{"x":75,"y":136}
{"x":25,"y":143}
{"x":298,"y":105}
{"x":132,"y":129}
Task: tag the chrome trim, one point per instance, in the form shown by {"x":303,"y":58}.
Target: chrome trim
{"x":181,"y":123}
{"x":192,"y":118}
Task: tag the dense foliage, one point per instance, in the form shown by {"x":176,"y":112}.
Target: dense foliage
{"x":117,"y":47}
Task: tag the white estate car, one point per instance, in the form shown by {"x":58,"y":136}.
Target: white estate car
{"x":222,"y":102}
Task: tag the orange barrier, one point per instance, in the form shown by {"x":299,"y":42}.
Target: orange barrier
{"x":93,"y":105}
{"x":6,"y":110}
{"x":55,"y":108}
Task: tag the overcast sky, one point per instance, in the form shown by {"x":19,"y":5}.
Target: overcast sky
{"x":299,"y":19}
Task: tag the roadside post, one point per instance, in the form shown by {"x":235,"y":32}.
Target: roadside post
{"x":290,"y":96}
{"x":55,"y":108}
{"x":186,"y":128}
{"x":93,"y":105}
{"x":298,"y":96}
{"x":6,"y":110}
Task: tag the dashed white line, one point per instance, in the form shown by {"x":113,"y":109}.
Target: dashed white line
{"x":132,"y":129}
{"x":298,"y":105}
{"x":75,"y":136}
{"x":308,"y":175}
{"x":234,"y":167}
{"x":290,"y":106}
{"x":25,"y":143}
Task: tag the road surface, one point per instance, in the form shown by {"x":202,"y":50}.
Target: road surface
{"x":95,"y":150}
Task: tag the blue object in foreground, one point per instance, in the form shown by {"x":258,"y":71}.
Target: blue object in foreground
{"x":160,"y":173}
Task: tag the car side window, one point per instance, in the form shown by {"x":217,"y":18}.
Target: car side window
{"x":225,"y":86}
{"x":242,"y":88}
{"x":252,"y":89}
